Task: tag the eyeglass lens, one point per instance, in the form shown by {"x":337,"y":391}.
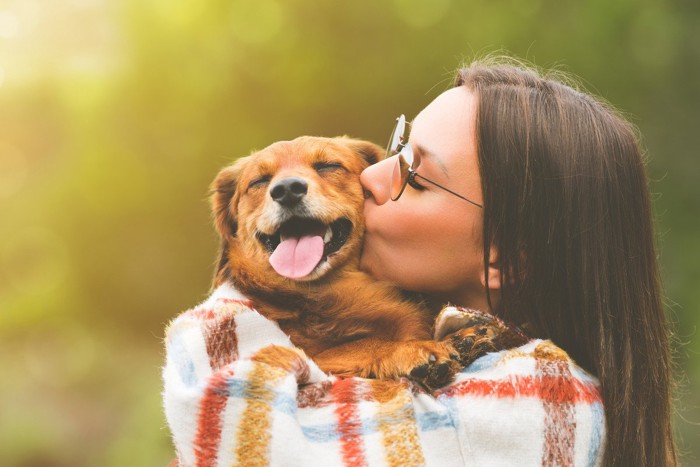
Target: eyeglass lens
{"x":398,"y":146}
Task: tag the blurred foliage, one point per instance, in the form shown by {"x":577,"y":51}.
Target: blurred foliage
{"x":115,"y":115}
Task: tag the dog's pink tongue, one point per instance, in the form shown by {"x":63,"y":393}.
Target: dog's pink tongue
{"x":297,"y":257}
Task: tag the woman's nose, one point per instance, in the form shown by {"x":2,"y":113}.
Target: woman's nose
{"x":376,"y":180}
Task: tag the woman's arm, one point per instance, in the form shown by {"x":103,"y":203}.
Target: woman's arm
{"x":238,"y":392}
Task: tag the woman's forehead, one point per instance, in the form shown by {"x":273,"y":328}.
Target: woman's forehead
{"x":445,"y":130}
{"x":457,"y":103}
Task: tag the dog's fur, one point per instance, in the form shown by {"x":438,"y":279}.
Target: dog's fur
{"x":347,"y":322}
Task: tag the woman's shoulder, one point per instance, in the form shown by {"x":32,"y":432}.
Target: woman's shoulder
{"x":517,"y":365}
{"x":528,"y":405}
{"x":538,"y":368}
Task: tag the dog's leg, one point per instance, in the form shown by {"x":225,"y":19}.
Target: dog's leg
{"x":432,"y":363}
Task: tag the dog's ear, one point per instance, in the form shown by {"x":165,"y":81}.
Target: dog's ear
{"x":369,"y":151}
{"x":223,"y":204}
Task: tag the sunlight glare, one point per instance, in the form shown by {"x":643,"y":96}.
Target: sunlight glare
{"x":9,"y":25}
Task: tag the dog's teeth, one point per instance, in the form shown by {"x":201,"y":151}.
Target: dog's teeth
{"x":327,"y":237}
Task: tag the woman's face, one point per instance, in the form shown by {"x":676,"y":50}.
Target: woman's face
{"x":430,"y":240}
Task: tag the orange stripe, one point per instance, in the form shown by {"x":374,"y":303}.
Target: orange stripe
{"x":397,"y":424}
{"x":254,"y":431}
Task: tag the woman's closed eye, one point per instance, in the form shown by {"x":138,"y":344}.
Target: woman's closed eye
{"x":413,"y":183}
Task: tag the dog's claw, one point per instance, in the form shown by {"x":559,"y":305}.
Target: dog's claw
{"x":437,"y":372}
{"x":463,"y":344}
{"x":430,"y":364}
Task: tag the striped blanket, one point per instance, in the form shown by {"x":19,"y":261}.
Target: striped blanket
{"x":237,"y":392}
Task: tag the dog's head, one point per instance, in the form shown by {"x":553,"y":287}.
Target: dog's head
{"x":292,"y":211}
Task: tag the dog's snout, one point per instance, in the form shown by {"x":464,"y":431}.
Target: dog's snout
{"x":289,"y":191}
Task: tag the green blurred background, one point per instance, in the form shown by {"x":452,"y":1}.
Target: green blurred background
{"x":115,"y":115}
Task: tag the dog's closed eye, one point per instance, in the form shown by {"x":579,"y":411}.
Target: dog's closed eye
{"x":260,"y":181}
{"x":321,"y":167}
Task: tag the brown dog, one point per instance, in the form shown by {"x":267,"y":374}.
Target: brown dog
{"x":291,"y":226}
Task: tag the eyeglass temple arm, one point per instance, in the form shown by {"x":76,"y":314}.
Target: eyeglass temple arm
{"x":416,"y":174}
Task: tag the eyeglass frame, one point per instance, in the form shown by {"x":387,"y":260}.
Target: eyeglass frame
{"x":397,"y":147}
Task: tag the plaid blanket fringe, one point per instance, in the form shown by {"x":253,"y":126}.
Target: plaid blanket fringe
{"x":237,"y":392}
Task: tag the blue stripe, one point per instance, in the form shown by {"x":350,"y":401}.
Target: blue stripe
{"x":597,"y":422}
{"x":235,"y":388}
{"x":328,"y":432}
{"x":429,"y":421}
{"x":482,"y":363}
{"x":452,"y":413}
{"x":321,"y":433}
{"x":426,"y":422}
{"x":286,"y":404}
{"x":184,"y":364}
{"x":239,"y":388}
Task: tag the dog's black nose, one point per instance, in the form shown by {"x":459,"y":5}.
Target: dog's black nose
{"x":289,"y":191}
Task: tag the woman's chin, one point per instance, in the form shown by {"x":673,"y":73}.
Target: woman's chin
{"x":366,"y":263}
{"x":374,"y":266}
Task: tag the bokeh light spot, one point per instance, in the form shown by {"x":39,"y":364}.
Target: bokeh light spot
{"x":60,"y":357}
{"x":13,"y":168}
{"x":256,"y":21}
{"x":421,"y":13}
{"x":9,"y":25}
{"x":34,"y":261}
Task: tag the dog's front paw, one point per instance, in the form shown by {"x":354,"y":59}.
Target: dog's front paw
{"x":472,"y":342}
{"x":429,"y":363}
{"x":479,"y":333}
{"x":435,"y":374}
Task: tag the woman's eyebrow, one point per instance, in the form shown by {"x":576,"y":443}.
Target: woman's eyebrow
{"x":427,"y":153}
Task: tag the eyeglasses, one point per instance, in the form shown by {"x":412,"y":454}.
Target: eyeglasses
{"x":406,"y":164}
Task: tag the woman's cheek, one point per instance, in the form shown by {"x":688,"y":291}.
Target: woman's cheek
{"x":384,"y":245}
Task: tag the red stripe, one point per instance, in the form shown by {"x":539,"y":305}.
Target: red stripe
{"x":221,"y":340}
{"x":345,"y":394}
{"x":209,"y":419}
{"x":559,"y":421}
{"x":209,"y":312}
{"x":244,"y":302}
{"x":550,"y":388}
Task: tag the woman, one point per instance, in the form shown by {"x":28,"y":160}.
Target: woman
{"x":564,"y":242}
{"x":515,"y":194}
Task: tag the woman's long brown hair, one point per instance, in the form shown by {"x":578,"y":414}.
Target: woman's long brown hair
{"x":567,"y":208}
